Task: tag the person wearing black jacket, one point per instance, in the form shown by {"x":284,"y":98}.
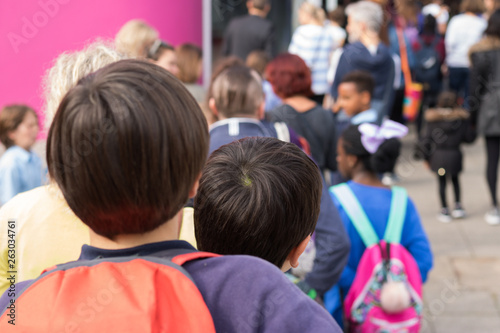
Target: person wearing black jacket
{"x":484,"y":103}
{"x":251,"y":32}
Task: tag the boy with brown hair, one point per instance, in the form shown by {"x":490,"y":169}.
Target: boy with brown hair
{"x":129,"y":187}
{"x":238,"y":101}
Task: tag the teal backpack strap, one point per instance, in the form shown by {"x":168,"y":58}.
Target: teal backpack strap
{"x":397,"y":215}
{"x":356,"y":213}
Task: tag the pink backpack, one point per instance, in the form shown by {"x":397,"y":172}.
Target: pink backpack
{"x":384,"y":263}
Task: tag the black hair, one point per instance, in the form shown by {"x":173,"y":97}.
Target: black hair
{"x":383,"y":160}
{"x":362,"y":80}
{"x":429,"y":26}
{"x":493,"y":28}
{"x":257,"y":196}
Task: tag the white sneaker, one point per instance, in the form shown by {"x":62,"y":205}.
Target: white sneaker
{"x":458,"y":212}
{"x":444,"y":216}
{"x":493,"y":217}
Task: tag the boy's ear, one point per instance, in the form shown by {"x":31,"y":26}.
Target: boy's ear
{"x":293,"y":257}
{"x":211,"y":105}
{"x":366,"y":98}
{"x":194,"y":189}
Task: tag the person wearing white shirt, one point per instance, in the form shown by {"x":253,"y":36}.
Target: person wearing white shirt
{"x":440,"y":13}
{"x":464,"y":30}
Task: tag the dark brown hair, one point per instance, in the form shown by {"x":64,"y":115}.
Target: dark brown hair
{"x":337,"y":15}
{"x":257,"y":196}
{"x":362,"y":80}
{"x":447,"y":99}
{"x":472,"y":6}
{"x":237,"y":91}
{"x":11,"y":117}
{"x":188,"y":59}
{"x":126,"y":146}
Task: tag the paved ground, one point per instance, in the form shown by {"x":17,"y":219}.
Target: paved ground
{"x":463,"y":290}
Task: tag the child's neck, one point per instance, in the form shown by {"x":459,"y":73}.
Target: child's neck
{"x":168,"y":231}
{"x":367,"y":178}
{"x":300,"y":103}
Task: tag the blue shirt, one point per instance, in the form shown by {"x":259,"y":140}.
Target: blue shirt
{"x":376,"y":203}
{"x":20,"y":171}
{"x":243,"y":293}
{"x":367,"y":116}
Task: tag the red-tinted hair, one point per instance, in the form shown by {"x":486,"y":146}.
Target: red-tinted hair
{"x":289,"y":76}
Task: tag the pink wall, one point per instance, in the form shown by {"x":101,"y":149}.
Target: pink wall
{"x":35,"y":32}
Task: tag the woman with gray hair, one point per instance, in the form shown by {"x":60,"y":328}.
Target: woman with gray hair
{"x":366,"y":52}
{"x":47,"y":231}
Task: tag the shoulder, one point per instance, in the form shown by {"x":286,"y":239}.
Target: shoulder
{"x":247,"y":294}
{"x":13,"y":157}
{"x":485,"y":45}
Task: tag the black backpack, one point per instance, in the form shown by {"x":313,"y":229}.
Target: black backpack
{"x":428,"y":66}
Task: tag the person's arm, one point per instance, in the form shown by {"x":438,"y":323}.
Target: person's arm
{"x":341,"y":68}
{"x":10,"y":180}
{"x":226,"y":46}
{"x":270,"y":42}
{"x":479,"y":72}
{"x":415,"y":240}
{"x":332,"y":247}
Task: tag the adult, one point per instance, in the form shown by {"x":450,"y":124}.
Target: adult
{"x":464,"y":30}
{"x":484,"y":103}
{"x":291,"y":81}
{"x":366,"y":52}
{"x":48,"y":232}
{"x":135,"y":38}
{"x":251,"y":32}
{"x":314,"y":43}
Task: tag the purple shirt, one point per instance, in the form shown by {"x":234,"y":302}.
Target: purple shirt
{"x":243,"y":293}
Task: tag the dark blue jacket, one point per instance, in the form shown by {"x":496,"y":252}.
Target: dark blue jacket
{"x":331,"y":241}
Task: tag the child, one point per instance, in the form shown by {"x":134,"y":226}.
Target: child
{"x":337,"y":21}
{"x":242,"y":187}
{"x":130,"y":189}
{"x":240,"y":117}
{"x":20,"y":168}
{"x":258,"y":60}
{"x":163,"y":54}
{"x":364,"y":151}
{"x":354,"y":97}
{"x":190,"y":62}
{"x":447,"y":128}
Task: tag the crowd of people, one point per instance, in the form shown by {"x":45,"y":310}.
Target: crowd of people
{"x":282,"y":171}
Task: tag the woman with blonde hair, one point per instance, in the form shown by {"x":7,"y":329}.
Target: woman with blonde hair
{"x":135,"y":39}
{"x":47,"y":231}
{"x":313,"y":43}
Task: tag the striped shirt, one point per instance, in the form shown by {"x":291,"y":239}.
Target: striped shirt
{"x":314,"y":45}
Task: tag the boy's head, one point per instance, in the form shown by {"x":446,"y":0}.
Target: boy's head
{"x":18,"y":126}
{"x":237,"y":92}
{"x":126,"y":147}
{"x":258,"y":196}
{"x":355,"y":92}
{"x":258,"y":61}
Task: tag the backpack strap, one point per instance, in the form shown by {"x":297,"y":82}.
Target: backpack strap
{"x":356,"y":213}
{"x":397,"y":215}
{"x":282,"y":131}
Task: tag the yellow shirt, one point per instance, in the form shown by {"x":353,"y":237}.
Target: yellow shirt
{"x":47,"y":233}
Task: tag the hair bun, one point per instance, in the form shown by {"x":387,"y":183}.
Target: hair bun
{"x":384,"y":159}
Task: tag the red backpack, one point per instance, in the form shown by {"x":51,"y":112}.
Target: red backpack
{"x":123,"y":294}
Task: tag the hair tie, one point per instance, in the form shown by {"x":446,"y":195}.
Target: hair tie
{"x":372,"y":136}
